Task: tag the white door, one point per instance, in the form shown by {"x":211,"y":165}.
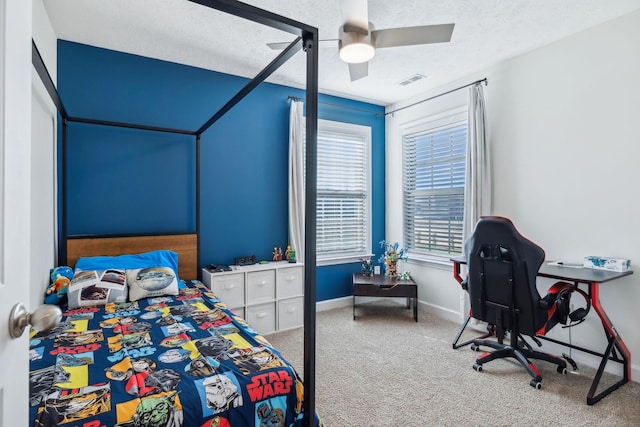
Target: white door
{"x":15,"y":211}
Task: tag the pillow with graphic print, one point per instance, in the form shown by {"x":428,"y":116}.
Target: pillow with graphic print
{"x":97,"y":287}
{"x":151,"y":282}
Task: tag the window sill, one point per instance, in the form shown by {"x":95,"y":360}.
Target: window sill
{"x":347,"y":259}
{"x":439,"y":262}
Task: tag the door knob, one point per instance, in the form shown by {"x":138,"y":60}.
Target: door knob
{"x":43,"y":318}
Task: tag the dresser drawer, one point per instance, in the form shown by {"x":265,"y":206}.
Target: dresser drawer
{"x":290,"y":313}
{"x":290,"y":282}
{"x":229,"y":288}
{"x":262,"y":317}
{"x":261,"y":286}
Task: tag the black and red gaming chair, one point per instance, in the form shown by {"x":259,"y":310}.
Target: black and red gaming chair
{"x":502,"y":268}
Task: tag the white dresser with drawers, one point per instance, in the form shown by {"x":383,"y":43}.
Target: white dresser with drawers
{"x":269,"y":296}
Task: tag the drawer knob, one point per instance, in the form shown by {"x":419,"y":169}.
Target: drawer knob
{"x":291,"y":309}
{"x":261,"y":315}
{"x":229,"y":286}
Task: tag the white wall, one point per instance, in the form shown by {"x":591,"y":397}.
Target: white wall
{"x":43,"y":149}
{"x":565,"y":144}
{"x":437,"y":289}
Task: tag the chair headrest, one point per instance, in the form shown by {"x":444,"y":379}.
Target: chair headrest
{"x":499,"y":235}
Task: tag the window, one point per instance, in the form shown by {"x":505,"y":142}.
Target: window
{"x":433,"y":184}
{"x":343,"y":191}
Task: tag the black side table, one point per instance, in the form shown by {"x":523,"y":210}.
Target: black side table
{"x":380,"y":285}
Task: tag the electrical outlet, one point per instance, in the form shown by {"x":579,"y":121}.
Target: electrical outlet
{"x":376,"y":269}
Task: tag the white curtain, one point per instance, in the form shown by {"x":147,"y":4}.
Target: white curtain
{"x":477,"y":196}
{"x":296,"y":179}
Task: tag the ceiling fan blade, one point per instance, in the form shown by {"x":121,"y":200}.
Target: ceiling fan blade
{"x":355,"y":14}
{"x":282,"y":45}
{"x":406,"y":36}
{"x":358,"y":71}
{"x":278,"y":46}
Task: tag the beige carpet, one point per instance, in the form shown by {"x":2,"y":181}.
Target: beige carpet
{"x":384,"y":369}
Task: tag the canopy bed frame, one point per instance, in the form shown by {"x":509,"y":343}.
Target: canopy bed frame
{"x":70,"y":247}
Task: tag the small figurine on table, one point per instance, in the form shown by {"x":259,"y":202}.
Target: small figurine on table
{"x":367,"y":266}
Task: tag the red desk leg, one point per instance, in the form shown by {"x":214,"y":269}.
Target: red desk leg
{"x":456,"y":272}
{"x":614,"y":341}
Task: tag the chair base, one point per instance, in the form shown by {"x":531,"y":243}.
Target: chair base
{"x":491,"y":330}
{"x":522,"y":353}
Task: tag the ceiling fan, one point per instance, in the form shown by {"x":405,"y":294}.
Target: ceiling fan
{"x":358,"y":39}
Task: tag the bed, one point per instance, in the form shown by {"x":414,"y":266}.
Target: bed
{"x":170,"y":356}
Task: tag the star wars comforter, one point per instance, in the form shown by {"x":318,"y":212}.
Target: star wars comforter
{"x":170,"y":361}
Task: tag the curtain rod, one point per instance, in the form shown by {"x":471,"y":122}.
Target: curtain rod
{"x":362,"y":110}
{"x":437,"y":96}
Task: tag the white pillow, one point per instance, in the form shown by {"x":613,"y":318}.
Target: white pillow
{"x":151,"y":282}
{"x":97,"y":287}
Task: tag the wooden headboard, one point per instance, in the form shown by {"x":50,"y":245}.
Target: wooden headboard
{"x":186,"y":245}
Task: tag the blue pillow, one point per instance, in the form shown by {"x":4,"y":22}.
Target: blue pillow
{"x":160,"y":258}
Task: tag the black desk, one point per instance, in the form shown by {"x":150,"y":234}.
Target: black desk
{"x":616,"y":351}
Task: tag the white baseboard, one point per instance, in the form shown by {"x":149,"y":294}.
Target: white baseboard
{"x":334,"y":303}
{"x":348,"y":302}
{"x":439,"y":311}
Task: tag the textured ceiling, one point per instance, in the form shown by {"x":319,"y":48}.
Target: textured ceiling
{"x":486,"y":32}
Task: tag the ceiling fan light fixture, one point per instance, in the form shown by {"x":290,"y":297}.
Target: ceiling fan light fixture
{"x":356,"y":46}
{"x":356,"y":53}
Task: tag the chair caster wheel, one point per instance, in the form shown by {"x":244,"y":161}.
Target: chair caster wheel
{"x":536,"y":384}
{"x":561,"y":370}
{"x":475,"y":347}
{"x":477,"y":367}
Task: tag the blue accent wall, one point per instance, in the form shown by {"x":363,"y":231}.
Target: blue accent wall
{"x":123,"y":181}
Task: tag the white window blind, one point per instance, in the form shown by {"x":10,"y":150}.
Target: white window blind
{"x":343,"y":202}
{"x":433,"y":194}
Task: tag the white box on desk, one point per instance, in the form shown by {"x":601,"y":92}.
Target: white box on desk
{"x":606,"y":263}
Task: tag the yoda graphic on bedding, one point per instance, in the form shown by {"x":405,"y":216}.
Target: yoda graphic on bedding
{"x":130,"y":341}
{"x":156,"y":411}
